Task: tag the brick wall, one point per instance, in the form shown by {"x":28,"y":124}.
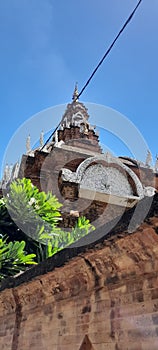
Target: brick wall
{"x":106,"y":298}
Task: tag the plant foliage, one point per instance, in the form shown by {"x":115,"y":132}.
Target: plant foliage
{"x":29,"y":227}
{"x":64,"y":239}
{"x":13,"y":258}
{"x":31,"y":210}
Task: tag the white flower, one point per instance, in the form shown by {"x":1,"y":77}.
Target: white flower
{"x":32,"y":201}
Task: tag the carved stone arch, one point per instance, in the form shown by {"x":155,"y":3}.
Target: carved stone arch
{"x":110,"y":160}
{"x":86,"y":344}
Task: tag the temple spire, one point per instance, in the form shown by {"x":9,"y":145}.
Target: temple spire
{"x":41,"y":138}
{"x":148,"y":159}
{"x":75,"y":94}
{"x":28,"y":144}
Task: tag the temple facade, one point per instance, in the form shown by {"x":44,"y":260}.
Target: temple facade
{"x":86,"y":181}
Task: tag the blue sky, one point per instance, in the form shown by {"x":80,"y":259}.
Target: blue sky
{"x":46,"y":46}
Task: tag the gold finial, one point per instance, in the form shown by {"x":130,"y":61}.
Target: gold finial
{"x":75,"y":94}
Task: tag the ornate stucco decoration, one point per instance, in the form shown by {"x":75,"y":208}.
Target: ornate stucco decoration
{"x":10,"y":173}
{"x":106,"y":175}
{"x":75,"y":114}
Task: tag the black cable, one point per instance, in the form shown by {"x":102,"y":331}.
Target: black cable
{"x":99,"y":64}
{"x":110,"y":48}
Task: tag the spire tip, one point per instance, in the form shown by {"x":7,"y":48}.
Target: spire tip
{"x":75,"y":94}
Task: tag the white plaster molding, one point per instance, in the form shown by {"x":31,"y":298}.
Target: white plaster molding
{"x":105,"y":179}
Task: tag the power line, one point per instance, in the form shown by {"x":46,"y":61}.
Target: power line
{"x":100,"y":62}
{"x":110,"y":48}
